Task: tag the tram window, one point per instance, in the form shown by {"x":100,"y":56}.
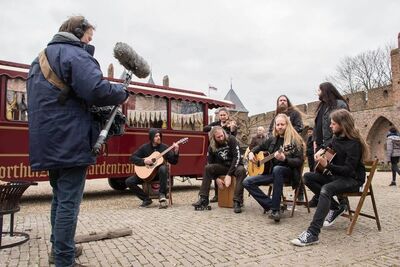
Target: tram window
{"x":186,"y":115}
{"x":16,"y":100}
{"x":147,"y":112}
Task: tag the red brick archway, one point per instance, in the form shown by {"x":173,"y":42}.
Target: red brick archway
{"x":376,"y":137}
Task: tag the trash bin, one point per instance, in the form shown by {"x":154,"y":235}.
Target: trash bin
{"x":10,"y":195}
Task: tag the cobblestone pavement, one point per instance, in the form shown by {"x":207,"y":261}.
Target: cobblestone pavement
{"x":181,"y":236}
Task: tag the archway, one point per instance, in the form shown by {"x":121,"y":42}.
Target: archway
{"x":376,"y":138}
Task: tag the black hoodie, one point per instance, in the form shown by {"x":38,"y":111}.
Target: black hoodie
{"x":147,"y":149}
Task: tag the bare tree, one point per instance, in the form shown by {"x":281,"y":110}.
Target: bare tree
{"x":368,"y":70}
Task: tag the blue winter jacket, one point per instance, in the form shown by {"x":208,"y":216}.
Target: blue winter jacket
{"x":62,"y":136}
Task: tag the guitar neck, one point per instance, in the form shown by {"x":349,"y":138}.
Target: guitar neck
{"x":267,"y":158}
{"x":165,"y":152}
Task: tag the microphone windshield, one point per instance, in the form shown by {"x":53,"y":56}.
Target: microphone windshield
{"x":128,"y":58}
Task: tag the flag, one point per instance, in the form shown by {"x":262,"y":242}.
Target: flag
{"x":210,"y":87}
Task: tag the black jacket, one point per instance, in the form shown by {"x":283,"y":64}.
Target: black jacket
{"x":294,"y":159}
{"x":348,"y":159}
{"x":207,"y":128}
{"x":227,"y":154}
{"x":325,"y":123}
{"x":146,"y":150}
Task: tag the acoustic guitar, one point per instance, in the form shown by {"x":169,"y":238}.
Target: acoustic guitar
{"x":262,"y":162}
{"x":327,"y":153}
{"x":147,"y":172}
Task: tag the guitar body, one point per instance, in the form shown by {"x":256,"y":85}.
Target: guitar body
{"x":148,"y":172}
{"x":329,"y":154}
{"x":256,"y":168}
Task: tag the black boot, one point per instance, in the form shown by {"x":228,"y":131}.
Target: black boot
{"x":237,"y":208}
{"x":202,"y":202}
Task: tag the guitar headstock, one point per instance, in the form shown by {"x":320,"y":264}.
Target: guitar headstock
{"x":183,"y":141}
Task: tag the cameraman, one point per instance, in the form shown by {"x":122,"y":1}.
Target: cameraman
{"x":62,"y":133}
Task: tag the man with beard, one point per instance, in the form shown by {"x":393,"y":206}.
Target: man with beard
{"x":346,"y":173}
{"x":139,"y":158}
{"x":283,"y":105}
{"x":223,"y":159}
{"x":285,"y":166}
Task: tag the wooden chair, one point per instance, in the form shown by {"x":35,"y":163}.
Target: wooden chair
{"x":296,"y":192}
{"x":151,"y":188}
{"x":370,"y":167}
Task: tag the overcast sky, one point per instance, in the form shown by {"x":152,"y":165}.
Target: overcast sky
{"x":267,"y":48}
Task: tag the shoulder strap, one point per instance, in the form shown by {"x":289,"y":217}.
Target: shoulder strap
{"x":48,"y":72}
{"x":52,"y":77}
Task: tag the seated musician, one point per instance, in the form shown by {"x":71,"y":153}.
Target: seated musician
{"x":229,"y":126}
{"x":345,"y":173}
{"x":223,"y":159}
{"x":285,"y":166}
{"x":137,"y":158}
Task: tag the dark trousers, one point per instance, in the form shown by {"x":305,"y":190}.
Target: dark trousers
{"x":133,"y":182}
{"x":395,"y":169}
{"x":311,"y":162}
{"x":279,"y":175}
{"x":68,"y":185}
{"x":213,"y":171}
{"x":327,"y":186}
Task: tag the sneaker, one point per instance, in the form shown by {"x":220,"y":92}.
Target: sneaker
{"x":78,"y":252}
{"x":275,"y":215}
{"x":146,"y":203}
{"x":333,"y":215}
{"x":237,"y":207}
{"x":313,"y":202}
{"x":163,"y":202}
{"x":305,"y":239}
{"x":214,"y":199}
{"x":393,"y":183}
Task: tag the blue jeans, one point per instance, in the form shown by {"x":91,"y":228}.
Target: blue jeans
{"x":327,"y":186}
{"x":68,"y":185}
{"x":279,"y":175}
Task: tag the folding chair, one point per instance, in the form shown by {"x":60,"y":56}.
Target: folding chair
{"x":370,"y":167}
{"x":294,"y":201}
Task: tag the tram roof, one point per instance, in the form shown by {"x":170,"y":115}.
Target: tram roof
{"x":18,"y":70}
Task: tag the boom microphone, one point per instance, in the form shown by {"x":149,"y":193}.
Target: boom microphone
{"x":128,"y":58}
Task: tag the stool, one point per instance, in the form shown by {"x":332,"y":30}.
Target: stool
{"x":225,"y":196}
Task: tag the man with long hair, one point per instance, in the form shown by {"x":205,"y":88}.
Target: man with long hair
{"x":330,"y":100}
{"x":223,"y":159}
{"x":285,"y":166}
{"x":229,"y":127}
{"x":345,"y":173}
{"x":283,"y":105}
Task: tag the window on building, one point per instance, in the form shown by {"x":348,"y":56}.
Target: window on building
{"x":147,"y":112}
{"x":186,"y":115}
{"x":16,"y":100}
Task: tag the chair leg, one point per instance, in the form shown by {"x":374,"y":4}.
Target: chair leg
{"x":12,"y":224}
{"x":305,"y":196}
{"x":170,"y":186}
{"x":269,"y":191}
{"x":356,"y":214}
{"x":296,"y":194}
{"x":349,"y":209}
{"x":1,"y":227}
{"x":378,"y":224}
